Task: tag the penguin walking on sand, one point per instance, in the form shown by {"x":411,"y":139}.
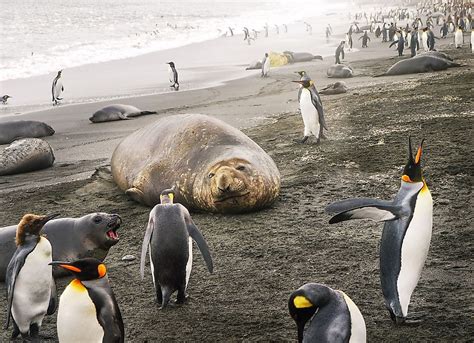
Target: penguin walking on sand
{"x":265,"y":65}
{"x":169,"y":237}
{"x":57,"y":88}
{"x":332,"y":315}
{"x":88,"y":310}
{"x":173,"y":76}
{"x":310,"y":107}
{"x":458,"y":38}
{"x":322,"y":121}
{"x":400,"y":44}
{"x":5,"y":99}
{"x":31,"y":290}
{"x":406,"y":235}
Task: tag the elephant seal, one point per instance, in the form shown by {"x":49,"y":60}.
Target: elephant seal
{"x":71,"y":238}
{"x":26,"y":155}
{"x":419,"y":64}
{"x":334,"y":88}
{"x":295,"y":57}
{"x":254,"y":65}
{"x":339,"y":71}
{"x":13,"y":130}
{"x":117,"y":112}
{"x":436,"y":54}
{"x":213,"y":166}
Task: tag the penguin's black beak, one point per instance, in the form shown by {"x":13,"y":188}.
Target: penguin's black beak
{"x":300,"y":82}
{"x":65,"y":265}
{"x":49,"y":217}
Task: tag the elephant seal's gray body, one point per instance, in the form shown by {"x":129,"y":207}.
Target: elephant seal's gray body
{"x":17,"y":129}
{"x":117,"y":112}
{"x":339,"y":71}
{"x":420,"y":64}
{"x":335,"y":88}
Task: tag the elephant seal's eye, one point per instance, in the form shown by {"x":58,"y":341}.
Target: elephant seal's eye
{"x":97,"y":219}
{"x":211,"y":175}
{"x":240,"y":168}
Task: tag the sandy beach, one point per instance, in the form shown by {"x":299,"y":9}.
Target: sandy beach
{"x":260,"y":258}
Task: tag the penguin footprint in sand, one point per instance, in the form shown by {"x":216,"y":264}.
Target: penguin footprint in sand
{"x":168,"y":237}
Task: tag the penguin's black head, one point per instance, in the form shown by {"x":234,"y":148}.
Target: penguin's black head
{"x":167,"y":196}
{"x":305,"y":83}
{"x":266,"y":55}
{"x":60,"y":72}
{"x":171,"y":64}
{"x":305,"y":302}
{"x":31,"y":224}
{"x":84,"y":269}
{"x":412,"y":171}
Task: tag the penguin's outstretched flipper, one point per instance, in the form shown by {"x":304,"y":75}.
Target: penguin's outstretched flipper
{"x":201,"y":242}
{"x":16,"y":263}
{"x":363,"y":208}
{"x":146,"y":242}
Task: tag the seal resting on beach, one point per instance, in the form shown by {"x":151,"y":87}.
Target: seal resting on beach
{"x":420,"y":64}
{"x":339,"y":71}
{"x":117,"y":112}
{"x":26,"y":155}
{"x":334,"y":88}
{"x":436,"y":54}
{"x":71,"y":238}
{"x":213,"y":166}
{"x":13,"y":130}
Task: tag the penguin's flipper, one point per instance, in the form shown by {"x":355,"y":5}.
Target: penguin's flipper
{"x":363,"y":208}
{"x":146,"y":242}
{"x":53,"y":300}
{"x":199,"y":239}
{"x":13,"y":269}
{"x":316,"y":100}
{"x":393,"y":43}
{"x":299,"y":94}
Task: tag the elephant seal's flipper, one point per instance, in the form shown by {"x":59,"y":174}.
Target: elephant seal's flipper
{"x":136,"y":194}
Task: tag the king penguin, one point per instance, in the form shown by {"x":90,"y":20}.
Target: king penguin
{"x":332,"y":315}
{"x":57,"y":88}
{"x":311,"y":109}
{"x":30,"y":285}
{"x":173,"y":76}
{"x":5,"y":99}
{"x":458,"y":38}
{"x":406,"y":234}
{"x":265,"y":65}
{"x":88,"y":310}
{"x":168,"y":236}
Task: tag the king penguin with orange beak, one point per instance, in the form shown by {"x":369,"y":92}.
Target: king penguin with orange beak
{"x":88,"y":310}
{"x":406,"y":235}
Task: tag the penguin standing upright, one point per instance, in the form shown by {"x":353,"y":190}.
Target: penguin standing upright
{"x":332,"y":315}
{"x":400,"y":44}
{"x":168,"y":237}
{"x":322,"y":121}
{"x":5,"y":99}
{"x":265,"y":65}
{"x":173,"y":76}
{"x":406,"y":234}
{"x":30,"y":285}
{"x":57,"y":88}
{"x":88,"y":310}
{"x":311,"y":108}
{"x":458,"y":38}
{"x":424,"y":39}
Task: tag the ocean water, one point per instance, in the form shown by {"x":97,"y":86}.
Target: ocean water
{"x":43,"y":36}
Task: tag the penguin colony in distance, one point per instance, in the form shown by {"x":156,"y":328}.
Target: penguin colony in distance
{"x":31,"y":290}
{"x":57,"y":88}
{"x":169,"y":237}
{"x":88,"y":310}
{"x":173,"y":76}
{"x":406,"y":234}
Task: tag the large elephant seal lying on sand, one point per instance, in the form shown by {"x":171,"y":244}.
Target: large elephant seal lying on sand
{"x":71,"y":238}
{"x":212,"y":165}
{"x":339,"y":71}
{"x":13,"y":130}
{"x":26,"y":155}
{"x":334,"y":88}
{"x":117,"y":112}
{"x":420,"y":64}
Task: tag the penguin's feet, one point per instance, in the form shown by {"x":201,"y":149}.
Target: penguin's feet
{"x":414,"y":318}
{"x":182,"y":299}
{"x":169,"y":304}
{"x":301,"y":141}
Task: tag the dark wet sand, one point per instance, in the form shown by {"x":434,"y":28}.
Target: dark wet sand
{"x":261,"y":257}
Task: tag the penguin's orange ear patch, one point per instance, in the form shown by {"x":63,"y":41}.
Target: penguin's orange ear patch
{"x":102,"y":270}
{"x":406,"y":178}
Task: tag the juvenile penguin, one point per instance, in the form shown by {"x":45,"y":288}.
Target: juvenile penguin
{"x":57,"y":88}
{"x":5,"y":99}
{"x":88,"y":310}
{"x":265,"y":65}
{"x":173,"y":76}
{"x":31,"y":289}
{"x":332,"y":315}
{"x":310,"y":107}
{"x":304,"y":76}
{"x":168,"y":236}
{"x":406,"y":234}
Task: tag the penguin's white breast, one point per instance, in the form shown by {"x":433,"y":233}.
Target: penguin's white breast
{"x":33,"y":285}
{"x":77,"y":317}
{"x":189,"y":264}
{"x":358,"y":329}
{"x":308,"y":111}
{"x":415,"y":246}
